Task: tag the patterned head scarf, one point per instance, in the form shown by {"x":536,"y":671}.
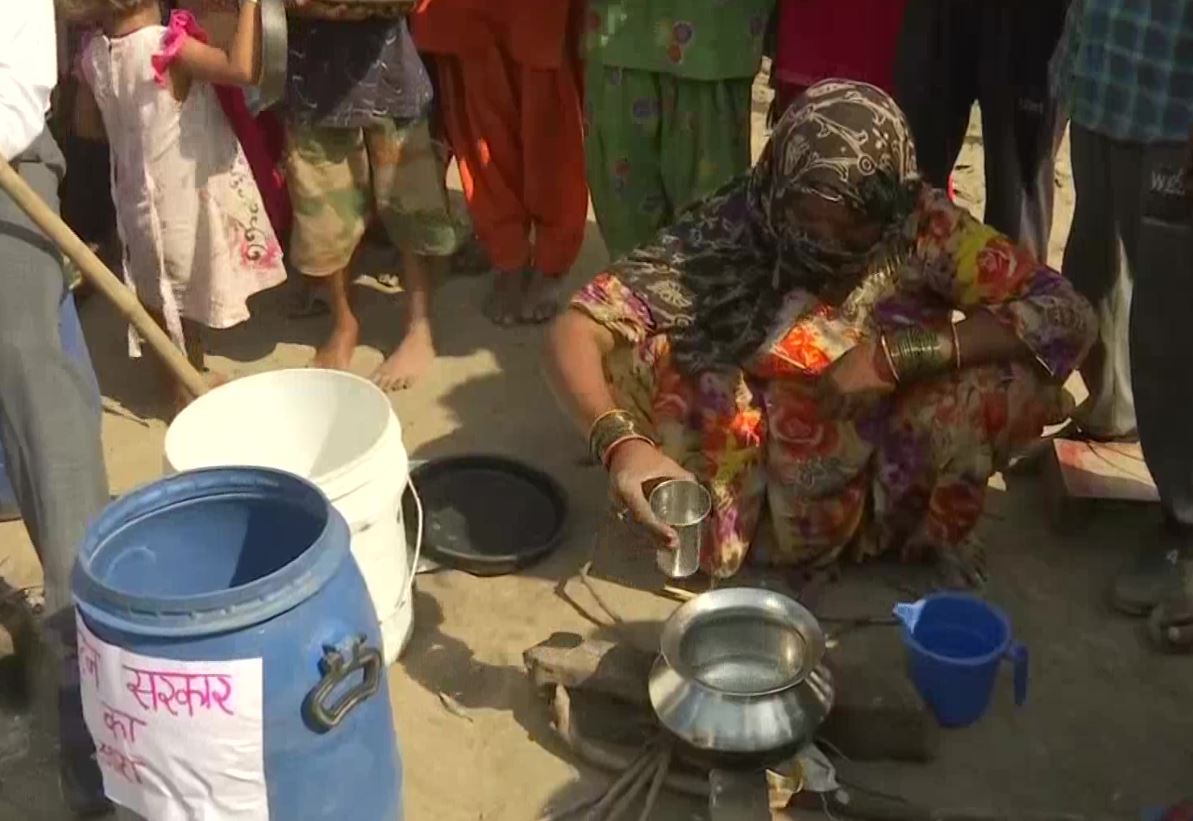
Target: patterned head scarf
{"x":718,"y":275}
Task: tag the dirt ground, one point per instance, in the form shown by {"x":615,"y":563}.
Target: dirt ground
{"x":1107,"y":728}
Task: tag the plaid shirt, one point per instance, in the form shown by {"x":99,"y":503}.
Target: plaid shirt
{"x":1125,"y":68}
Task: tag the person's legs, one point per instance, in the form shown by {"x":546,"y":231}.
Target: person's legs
{"x":1103,"y":235}
{"x":936,"y":68}
{"x":623,"y":154}
{"x":1019,"y":118}
{"x":50,"y":428}
{"x":173,"y":392}
{"x":1161,"y":350}
{"x":706,"y":134}
{"x":1161,"y":329}
{"x":412,"y":203}
{"x":328,"y":180}
{"x":556,"y":192}
{"x":480,"y":104}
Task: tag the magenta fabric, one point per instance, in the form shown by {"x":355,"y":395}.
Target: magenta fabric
{"x":849,"y":39}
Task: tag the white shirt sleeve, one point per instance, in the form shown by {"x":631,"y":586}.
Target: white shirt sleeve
{"x":28,"y":72}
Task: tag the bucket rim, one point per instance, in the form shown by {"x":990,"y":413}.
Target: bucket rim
{"x":328,"y":479}
{"x":1000,"y":616}
{"x":220,"y":610}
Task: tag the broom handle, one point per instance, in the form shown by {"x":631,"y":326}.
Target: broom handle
{"x":95,"y":272}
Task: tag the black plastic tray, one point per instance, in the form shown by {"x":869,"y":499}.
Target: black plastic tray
{"x":486,"y":515}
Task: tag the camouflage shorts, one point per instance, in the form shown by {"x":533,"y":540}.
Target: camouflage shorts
{"x":340,"y":177}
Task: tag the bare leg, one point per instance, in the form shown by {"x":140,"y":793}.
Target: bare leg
{"x":416,"y":351}
{"x":336,"y":352}
{"x":173,"y":392}
{"x":540,"y":298}
{"x":196,"y":353}
{"x":504,"y":303}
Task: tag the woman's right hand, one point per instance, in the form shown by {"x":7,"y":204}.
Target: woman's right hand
{"x":634,"y":464}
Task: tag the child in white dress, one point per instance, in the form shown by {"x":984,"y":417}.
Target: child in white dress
{"x":198,"y":242}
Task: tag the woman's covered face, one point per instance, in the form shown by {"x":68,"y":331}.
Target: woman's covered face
{"x":835,"y":225}
{"x":837,"y":178}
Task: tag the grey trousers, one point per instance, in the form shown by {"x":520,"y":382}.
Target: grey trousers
{"x":954,"y":52}
{"x":1130,"y":252}
{"x":49,"y":424}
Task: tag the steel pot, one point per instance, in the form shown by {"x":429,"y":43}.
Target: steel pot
{"x":739,"y":673}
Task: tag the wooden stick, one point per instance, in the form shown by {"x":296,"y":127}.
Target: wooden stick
{"x":572,"y":809}
{"x":644,"y":777}
{"x":656,"y":786}
{"x":98,"y":275}
{"x":678,"y":593}
{"x":628,"y":778}
{"x":607,"y":756}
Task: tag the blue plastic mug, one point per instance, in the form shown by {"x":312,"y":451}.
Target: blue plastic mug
{"x":955,"y":644}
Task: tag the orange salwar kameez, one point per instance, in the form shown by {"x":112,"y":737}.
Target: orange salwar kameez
{"x":508,"y":79}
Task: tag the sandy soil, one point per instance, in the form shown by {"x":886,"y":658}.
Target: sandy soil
{"x":1106,"y":730}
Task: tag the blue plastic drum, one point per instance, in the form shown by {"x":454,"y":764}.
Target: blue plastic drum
{"x":245,"y":563}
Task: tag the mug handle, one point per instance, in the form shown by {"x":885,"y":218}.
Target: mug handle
{"x":1017,"y":655}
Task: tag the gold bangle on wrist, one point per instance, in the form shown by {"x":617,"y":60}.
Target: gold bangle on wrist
{"x":916,"y":352}
{"x":603,"y":418}
{"x":609,"y":430}
{"x":607,"y":456}
{"x":886,"y":351}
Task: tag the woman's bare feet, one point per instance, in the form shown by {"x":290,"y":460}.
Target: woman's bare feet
{"x":336,"y":353}
{"x":540,"y":298}
{"x":409,"y":360}
{"x":504,"y":304}
{"x":525,"y":297}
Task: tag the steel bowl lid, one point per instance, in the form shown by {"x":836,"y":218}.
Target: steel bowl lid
{"x":743,"y":641}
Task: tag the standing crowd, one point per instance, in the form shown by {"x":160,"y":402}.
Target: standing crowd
{"x":786,"y":333}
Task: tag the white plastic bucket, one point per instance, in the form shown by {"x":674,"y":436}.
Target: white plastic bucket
{"x":337,"y":430}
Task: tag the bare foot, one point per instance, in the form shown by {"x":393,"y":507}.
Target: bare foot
{"x":540,"y":300}
{"x":336,"y":353}
{"x":504,"y":304}
{"x":409,"y":361}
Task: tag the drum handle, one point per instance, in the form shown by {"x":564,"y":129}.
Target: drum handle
{"x":338,"y":665}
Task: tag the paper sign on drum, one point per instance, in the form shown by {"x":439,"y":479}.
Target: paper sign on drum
{"x":176,"y":740}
